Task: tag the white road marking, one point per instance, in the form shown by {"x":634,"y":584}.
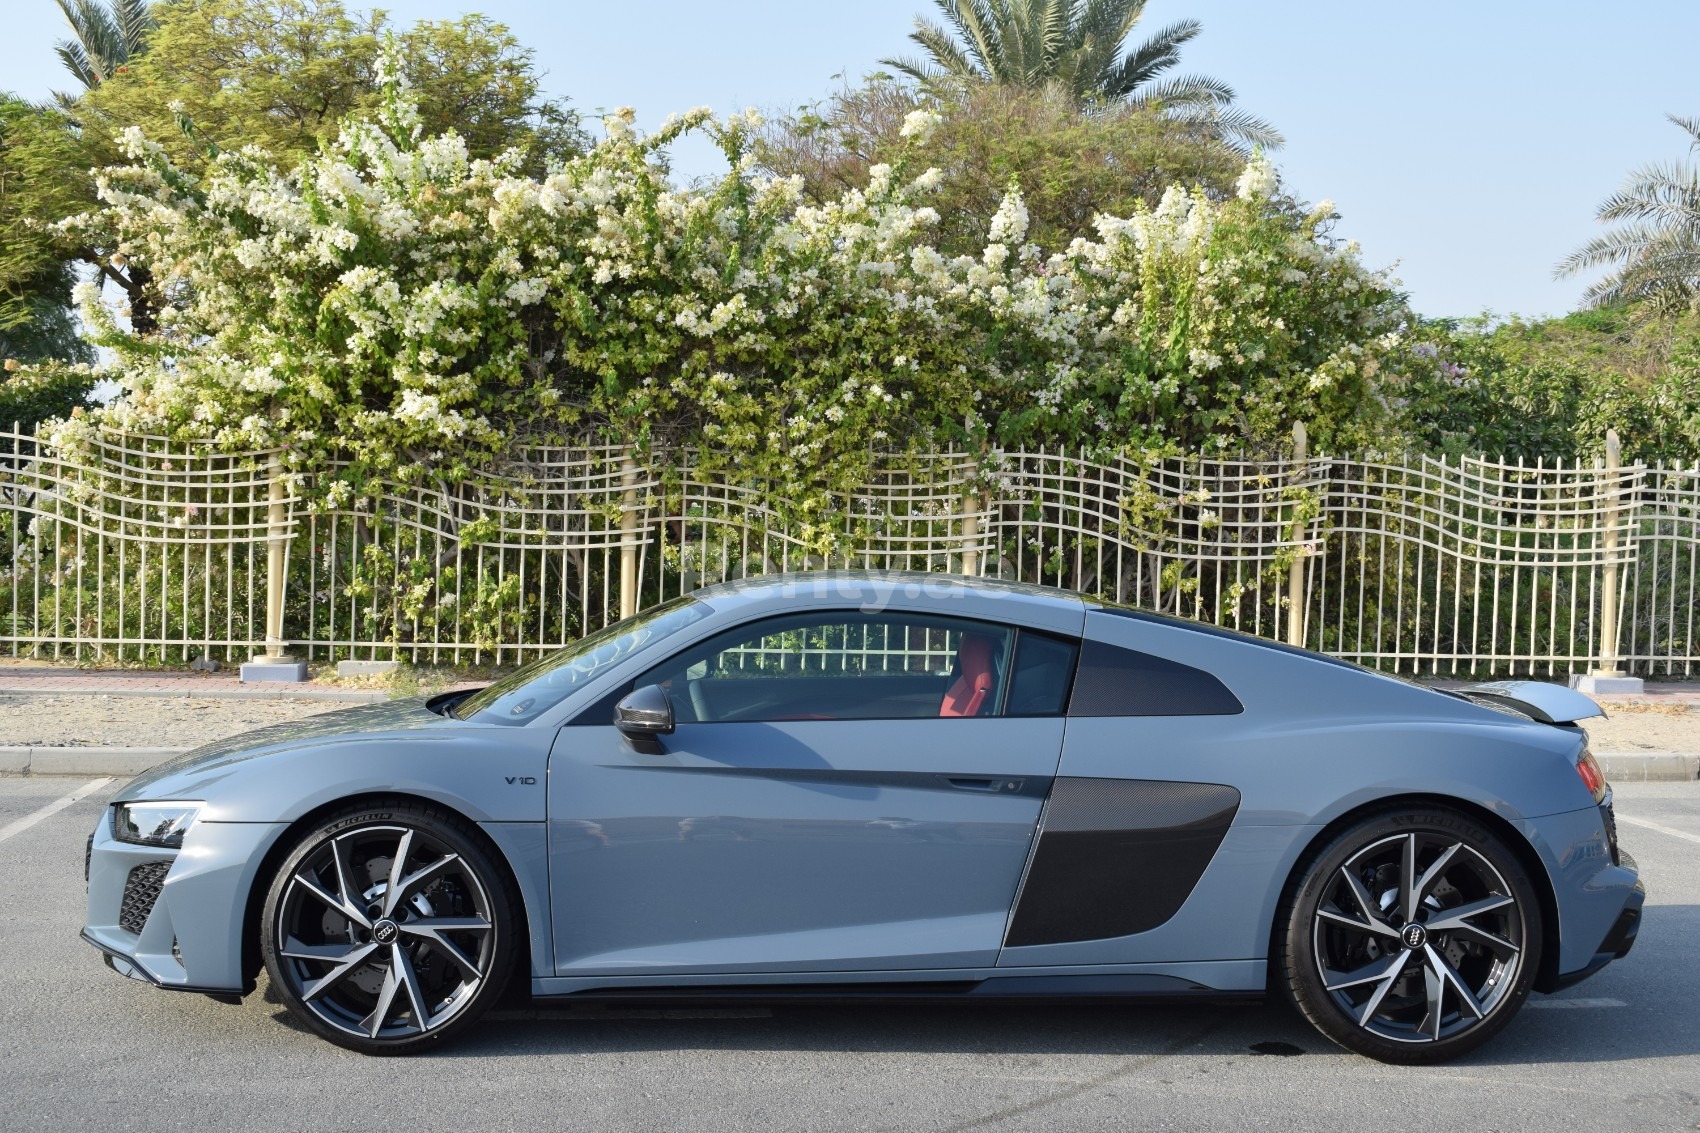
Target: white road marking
{"x":1575,"y":1003}
{"x":1662,"y":829}
{"x":53,"y":808}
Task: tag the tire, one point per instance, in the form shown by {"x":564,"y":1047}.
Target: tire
{"x":384,"y":974}
{"x":1408,"y":982}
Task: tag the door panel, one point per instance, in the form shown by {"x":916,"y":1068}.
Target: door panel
{"x":805,"y":845}
{"x":1139,"y":859}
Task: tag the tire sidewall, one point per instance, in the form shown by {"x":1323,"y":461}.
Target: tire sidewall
{"x":1298,"y":970}
{"x":478,"y":859}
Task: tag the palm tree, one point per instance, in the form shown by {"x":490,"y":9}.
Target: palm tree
{"x":1654,"y":257}
{"x":106,"y":38}
{"x":1075,"y":46}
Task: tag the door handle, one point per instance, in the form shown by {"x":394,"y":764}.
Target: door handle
{"x":977,"y":783}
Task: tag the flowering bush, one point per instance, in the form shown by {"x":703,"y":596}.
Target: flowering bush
{"x":30,"y":394}
{"x":417,"y":312}
{"x":1550,"y":389}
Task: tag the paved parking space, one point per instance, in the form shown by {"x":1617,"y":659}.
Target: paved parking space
{"x":85,"y":1047}
{"x":18,"y":797}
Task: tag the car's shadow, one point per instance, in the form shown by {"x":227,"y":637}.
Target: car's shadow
{"x":1639,"y":1008}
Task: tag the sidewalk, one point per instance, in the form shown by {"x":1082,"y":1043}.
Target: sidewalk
{"x":1664,"y":696}
{"x":1673,"y":695}
{"x":41,"y":678}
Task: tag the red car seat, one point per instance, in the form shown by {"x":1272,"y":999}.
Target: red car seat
{"x":967,"y":695}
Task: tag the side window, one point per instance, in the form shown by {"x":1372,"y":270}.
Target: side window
{"x":841,"y":666}
{"x":1121,"y":682}
{"x":1044,"y":668}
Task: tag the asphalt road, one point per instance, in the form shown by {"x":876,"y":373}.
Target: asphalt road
{"x":84,"y":1048}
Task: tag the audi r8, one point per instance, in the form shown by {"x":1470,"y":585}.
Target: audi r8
{"x":834,"y":786}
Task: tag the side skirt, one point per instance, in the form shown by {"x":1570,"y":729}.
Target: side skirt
{"x":1061,"y":988}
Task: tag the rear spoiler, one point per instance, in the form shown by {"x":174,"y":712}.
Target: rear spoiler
{"x":1548,"y":703}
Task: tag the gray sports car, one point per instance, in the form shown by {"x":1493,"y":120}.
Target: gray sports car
{"x":847,"y":785}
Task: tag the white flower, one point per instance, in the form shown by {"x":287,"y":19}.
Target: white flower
{"x":525,"y":292}
{"x":1009,"y":223}
{"x":1202,"y":359}
{"x":920,"y":124}
{"x":1257,"y":181}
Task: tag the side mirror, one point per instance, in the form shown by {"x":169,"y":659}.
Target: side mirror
{"x":644,"y":715}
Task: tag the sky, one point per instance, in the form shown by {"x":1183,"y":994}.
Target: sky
{"x":1467,"y":143}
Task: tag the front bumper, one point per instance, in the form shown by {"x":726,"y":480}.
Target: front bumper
{"x":127,"y":965}
{"x":175,"y":918}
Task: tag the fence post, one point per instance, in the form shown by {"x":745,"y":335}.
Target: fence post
{"x":629,"y":537}
{"x":1296,"y":572}
{"x":973,"y":502}
{"x":1606,"y":677}
{"x":276,"y":663}
{"x":1608,"y":580}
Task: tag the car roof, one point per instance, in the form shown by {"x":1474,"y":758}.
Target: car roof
{"x":865,"y":585}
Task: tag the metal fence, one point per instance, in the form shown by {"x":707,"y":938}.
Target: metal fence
{"x":158,"y":552}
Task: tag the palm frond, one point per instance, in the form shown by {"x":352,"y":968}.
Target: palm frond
{"x":1244,"y":130}
{"x":947,"y":56}
{"x":1670,"y":191}
{"x":105,"y":38}
{"x":1690,"y":125}
{"x":1150,"y":59}
{"x":1188,"y":90}
{"x":1623,"y":246}
{"x":1112,"y":20}
{"x":1050,"y":38}
{"x":1074,"y":47}
{"x":102,"y":44}
{"x":76,"y":61}
{"x":1653,"y":256}
{"x":976,"y":23}
{"x":918,"y":69}
{"x":1012,"y":19}
{"x":1100,"y":18}
{"x":134,"y":20}
{"x":1663,"y":284}
{"x":1238,"y":129}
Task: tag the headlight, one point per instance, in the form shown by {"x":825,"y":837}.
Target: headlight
{"x":153,"y":824}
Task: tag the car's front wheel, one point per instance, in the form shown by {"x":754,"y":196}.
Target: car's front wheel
{"x":1413,"y":936}
{"x":389,"y":928}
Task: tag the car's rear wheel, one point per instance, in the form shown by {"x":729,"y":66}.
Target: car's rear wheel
{"x":389,"y":928}
{"x":1413,"y":936}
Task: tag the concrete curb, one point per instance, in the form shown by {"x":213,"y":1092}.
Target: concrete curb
{"x":1620,"y":767}
{"x":83,"y":760}
{"x":1649,"y":766}
{"x":280,"y":692}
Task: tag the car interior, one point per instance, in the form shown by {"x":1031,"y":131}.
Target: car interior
{"x":854,"y":666}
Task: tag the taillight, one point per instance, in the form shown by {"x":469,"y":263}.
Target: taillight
{"x":1592,"y":777}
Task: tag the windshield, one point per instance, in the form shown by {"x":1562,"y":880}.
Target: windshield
{"x":522,"y":696}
